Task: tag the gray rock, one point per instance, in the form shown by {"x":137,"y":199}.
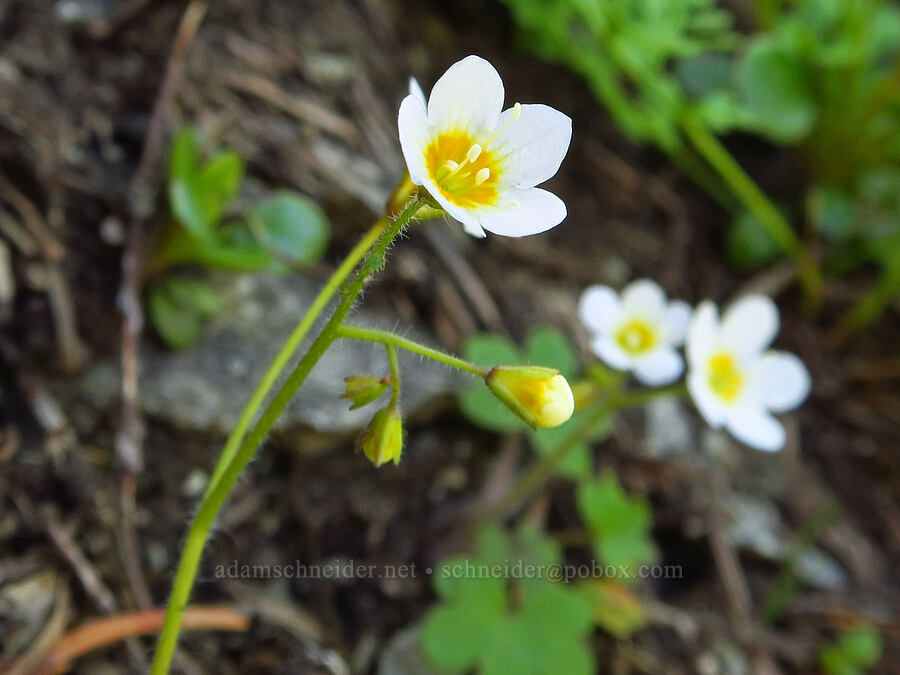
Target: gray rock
{"x":756,"y":525}
{"x":669,"y":428}
{"x":206,"y":387}
{"x":403,"y":654}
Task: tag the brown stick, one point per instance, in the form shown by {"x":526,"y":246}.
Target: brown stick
{"x":130,"y":436}
{"x":102,"y":632}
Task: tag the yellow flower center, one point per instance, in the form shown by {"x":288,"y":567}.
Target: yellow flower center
{"x":636,"y":337}
{"x":463,"y":170}
{"x":725,"y":379}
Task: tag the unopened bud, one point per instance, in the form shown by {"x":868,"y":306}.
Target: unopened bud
{"x":363,"y":389}
{"x":540,"y":396}
{"x":383,"y":439}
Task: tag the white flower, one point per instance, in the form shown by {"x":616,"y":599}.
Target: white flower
{"x":638,"y":331}
{"x":479,"y":164}
{"x":734,"y":381}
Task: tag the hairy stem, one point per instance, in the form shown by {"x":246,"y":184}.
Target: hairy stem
{"x":290,"y":346}
{"x":230,"y":468}
{"x":393,"y":340}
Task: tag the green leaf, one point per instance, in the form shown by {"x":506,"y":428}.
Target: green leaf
{"x":296,"y":229}
{"x":855,"y":651}
{"x":705,"y":74}
{"x":549,"y":347}
{"x":834,"y":212}
{"x":192,"y":294}
{"x":178,"y":326}
{"x":496,"y":624}
{"x":489,"y":350}
{"x":199,"y":195}
{"x":776,"y":91}
{"x":183,"y":155}
{"x":621,"y":524}
{"x":749,"y":245}
{"x":217,"y":184}
{"x":187,"y":206}
{"x":239,"y":258}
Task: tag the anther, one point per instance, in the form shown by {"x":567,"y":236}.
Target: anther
{"x":450,"y":165}
{"x":482,"y":175}
{"x":473,"y":152}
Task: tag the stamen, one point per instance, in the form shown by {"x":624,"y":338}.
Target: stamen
{"x":473,"y":152}
{"x":450,"y":165}
{"x":482,"y":176}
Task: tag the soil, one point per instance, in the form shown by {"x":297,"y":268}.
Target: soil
{"x":307,"y":92}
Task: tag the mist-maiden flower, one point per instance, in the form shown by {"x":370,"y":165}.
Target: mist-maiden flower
{"x":540,"y":396}
{"x":480,"y":164}
{"x":638,"y":331}
{"x":735,"y":380}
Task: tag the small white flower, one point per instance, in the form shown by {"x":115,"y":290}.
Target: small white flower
{"x":638,"y":331}
{"x":479,"y":164}
{"x":734,"y":381}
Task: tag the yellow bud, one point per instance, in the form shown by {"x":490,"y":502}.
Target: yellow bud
{"x":540,"y":396}
{"x":383,"y":438}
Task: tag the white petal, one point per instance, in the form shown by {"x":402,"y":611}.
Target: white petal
{"x":598,"y":309}
{"x":412,"y":123}
{"x":750,"y":324}
{"x":470,"y":219}
{"x":468,"y":97}
{"x":756,"y":428}
{"x":611,"y":353}
{"x":678,"y":318}
{"x":703,"y":333}
{"x":781,"y":380}
{"x":661,"y":366}
{"x":416,"y":90}
{"x":530,"y":211}
{"x":644,"y":298}
{"x":532,"y":146}
{"x":711,"y":407}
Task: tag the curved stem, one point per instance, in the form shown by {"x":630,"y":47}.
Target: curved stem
{"x":757,"y":203}
{"x":541,"y":471}
{"x":390,"y":339}
{"x":218,"y":491}
{"x":290,"y":346}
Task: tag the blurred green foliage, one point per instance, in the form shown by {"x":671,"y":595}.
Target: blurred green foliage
{"x":620,"y":525}
{"x":820,"y":76}
{"x":854,"y":652}
{"x":500,"y":618}
{"x":543,"y":347}
{"x":285,"y":231}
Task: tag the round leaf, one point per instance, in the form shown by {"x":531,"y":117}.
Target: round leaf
{"x":775,"y":88}
{"x":296,"y":229}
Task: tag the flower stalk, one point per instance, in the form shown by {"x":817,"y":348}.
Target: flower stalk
{"x":231,"y":465}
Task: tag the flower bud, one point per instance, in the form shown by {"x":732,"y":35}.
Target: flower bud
{"x":383,"y":439}
{"x":540,"y":396}
{"x":363,"y":389}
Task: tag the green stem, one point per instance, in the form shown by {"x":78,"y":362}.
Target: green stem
{"x":219,"y":490}
{"x":541,"y":471}
{"x":290,"y":346}
{"x":395,"y":374}
{"x":756,"y":202}
{"x":390,"y":339}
